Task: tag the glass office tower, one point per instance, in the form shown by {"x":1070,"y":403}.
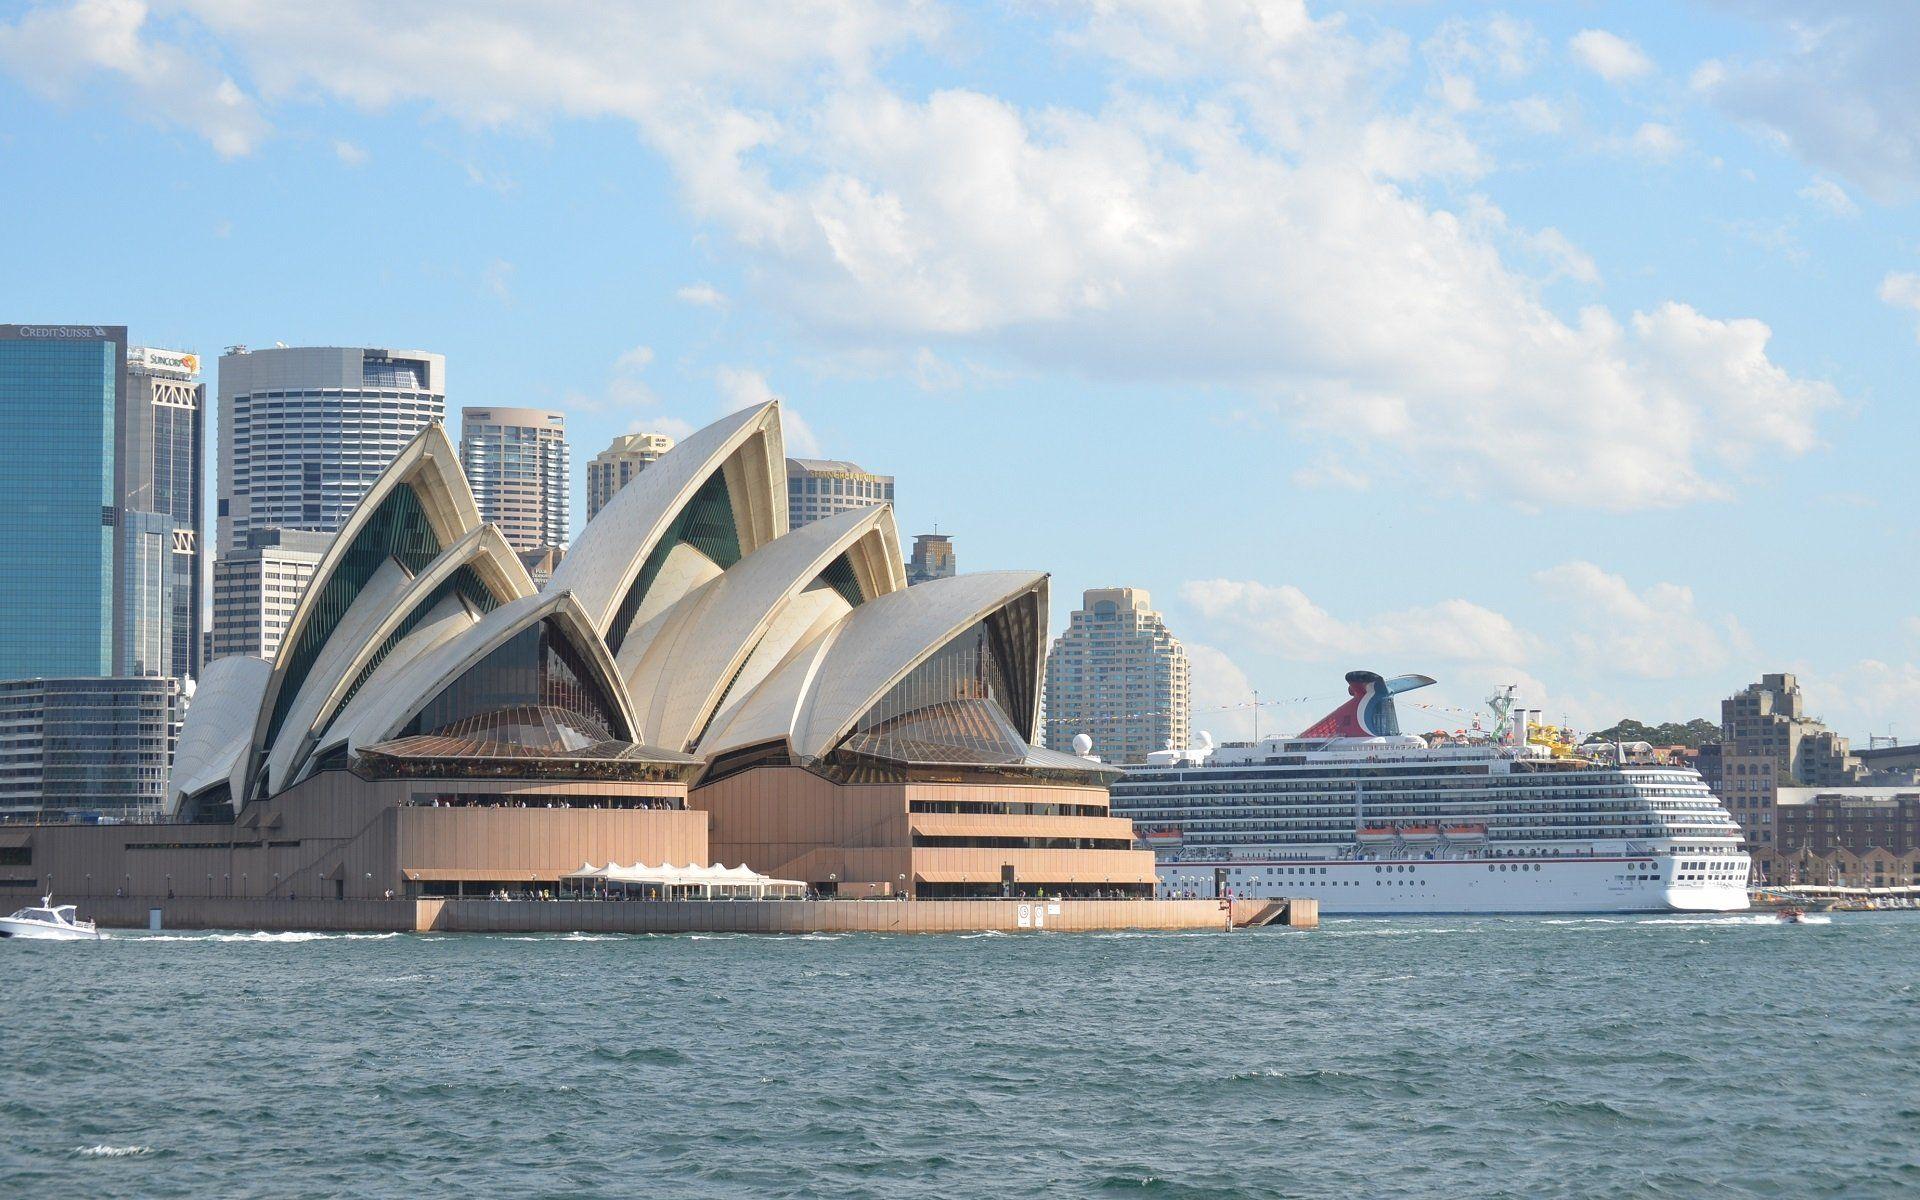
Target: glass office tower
{"x":161,"y":451}
{"x":60,"y":389}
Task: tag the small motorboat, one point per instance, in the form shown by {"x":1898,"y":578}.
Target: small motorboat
{"x":1792,"y":916}
{"x":48,"y":922}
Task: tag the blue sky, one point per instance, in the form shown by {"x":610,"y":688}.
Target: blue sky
{"x":1568,"y":345}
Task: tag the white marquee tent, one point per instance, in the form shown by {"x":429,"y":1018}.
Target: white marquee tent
{"x":692,"y":881}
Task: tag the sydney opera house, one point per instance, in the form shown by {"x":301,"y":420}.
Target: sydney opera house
{"x":695,"y":684}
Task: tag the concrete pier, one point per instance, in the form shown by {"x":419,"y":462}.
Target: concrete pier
{"x":695,"y":916}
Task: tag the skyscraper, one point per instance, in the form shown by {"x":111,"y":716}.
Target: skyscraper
{"x":256,"y":587}
{"x":518,"y":464}
{"x":1771,"y":743}
{"x":99,"y":596}
{"x":60,"y":390}
{"x":162,"y":452}
{"x":305,"y":430}
{"x":932,"y":558}
{"x":87,"y":745}
{"x":613,"y":467}
{"x":1118,"y":676}
{"x":819,"y":488}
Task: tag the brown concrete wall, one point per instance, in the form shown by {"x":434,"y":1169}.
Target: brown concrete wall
{"x":832,"y":916}
{"x":339,"y":834}
{"x":354,"y":916}
{"x":828,"y":916}
{"x":537,"y":843}
{"x":792,"y":824}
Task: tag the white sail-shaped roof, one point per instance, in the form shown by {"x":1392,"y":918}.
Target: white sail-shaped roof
{"x":376,"y":623}
{"x":608,"y":559}
{"x":418,"y":506}
{"x":214,"y":737}
{"x":681,"y":665}
{"x":815,"y":698}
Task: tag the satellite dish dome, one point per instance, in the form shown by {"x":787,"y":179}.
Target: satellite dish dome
{"x":1082,"y":744}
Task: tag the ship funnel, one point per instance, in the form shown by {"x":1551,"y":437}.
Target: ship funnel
{"x":1369,"y":710}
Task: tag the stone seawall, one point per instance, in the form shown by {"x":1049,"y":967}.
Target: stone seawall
{"x":683,"y":916}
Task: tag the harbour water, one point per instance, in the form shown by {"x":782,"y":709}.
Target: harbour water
{"x":1522,"y":1057}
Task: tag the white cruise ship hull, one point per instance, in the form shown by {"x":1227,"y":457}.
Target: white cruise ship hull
{"x":1469,"y":886}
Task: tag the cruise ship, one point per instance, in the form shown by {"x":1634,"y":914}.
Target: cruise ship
{"x":1367,"y":819}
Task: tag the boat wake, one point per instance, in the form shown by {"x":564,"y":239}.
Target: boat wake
{"x":104,"y":1151}
{"x":260,"y":936}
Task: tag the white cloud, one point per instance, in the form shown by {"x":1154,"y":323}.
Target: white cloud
{"x":742,"y":387}
{"x":1220,"y":693}
{"x":1538,"y":114}
{"x":1830,"y":197}
{"x":61,"y":51}
{"x":1330,"y":472}
{"x":497,"y":280}
{"x":1255,"y":216}
{"x":1839,"y":91}
{"x":348,"y":153}
{"x":1294,"y":627}
{"x":1472,"y":649}
{"x":673,"y":427}
{"x":702,"y":295}
{"x":1499,"y":45}
{"x":1610,"y":56}
{"x":1902,"y":290}
{"x":1654,"y":141}
{"x":1655,"y":633}
{"x":634,"y":360}
{"x":798,"y":435}
{"x":1866,"y":697}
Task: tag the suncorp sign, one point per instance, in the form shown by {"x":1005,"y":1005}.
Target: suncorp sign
{"x":171,"y":362}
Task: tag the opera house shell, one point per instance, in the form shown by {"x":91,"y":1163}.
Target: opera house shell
{"x":694,"y":684}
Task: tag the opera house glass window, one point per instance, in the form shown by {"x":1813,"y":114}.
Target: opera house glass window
{"x":965,"y":704}
{"x":537,"y":668}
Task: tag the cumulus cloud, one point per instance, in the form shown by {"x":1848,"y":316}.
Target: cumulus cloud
{"x":496,"y":279}
{"x":1902,"y":290}
{"x":1221,"y":694}
{"x":1652,"y":633}
{"x":63,"y":51}
{"x":1839,"y":91}
{"x":1653,"y":141}
{"x":1610,"y":56}
{"x":742,"y":387}
{"x":1830,"y":198}
{"x":1295,"y":627}
{"x":702,"y":295}
{"x":1866,"y":697}
{"x":349,"y":153}
{"x":1249,"y":206}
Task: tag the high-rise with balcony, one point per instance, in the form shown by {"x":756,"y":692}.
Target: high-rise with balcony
{"x":818,"y":488}
{"x":613,"y":467}
{"x":517,"y":462}
{"x":305,"y":430}
{"x":1118,"y":676}
{"x":256,"y":588}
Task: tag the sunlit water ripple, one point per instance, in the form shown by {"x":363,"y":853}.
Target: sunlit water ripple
{"x":1590,"y":1057}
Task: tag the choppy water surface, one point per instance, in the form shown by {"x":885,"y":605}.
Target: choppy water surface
{"x":1664,"y":1056}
